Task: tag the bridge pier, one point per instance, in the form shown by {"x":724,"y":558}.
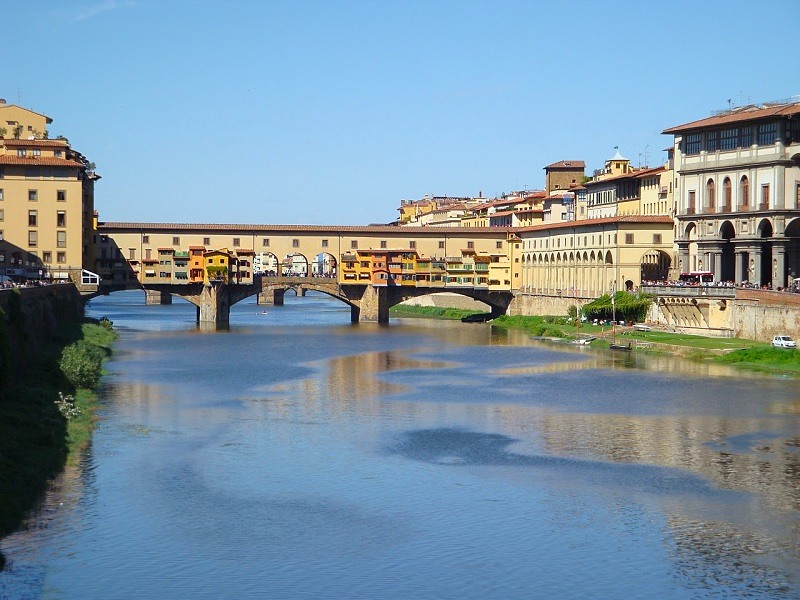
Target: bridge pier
{"x":157,"y":297}
{"x":271,"y":297}
{"x":214,"y":305}
{"x":374,"y":305}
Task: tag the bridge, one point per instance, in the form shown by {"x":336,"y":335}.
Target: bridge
{"x":367,"y":302}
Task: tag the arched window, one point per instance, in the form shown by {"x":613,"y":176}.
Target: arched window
{"x":727,"y":195}
{"x":744,"y":192}
{"x":711,"y":193}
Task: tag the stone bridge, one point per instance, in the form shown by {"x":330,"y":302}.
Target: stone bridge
{"x":368,"y":303}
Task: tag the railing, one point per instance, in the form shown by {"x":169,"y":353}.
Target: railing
{"x":690,"y":291}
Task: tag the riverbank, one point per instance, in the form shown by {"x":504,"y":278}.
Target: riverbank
{"x":47,"y":416}
{"x":741,"y":353}
{"x":430,"y":312}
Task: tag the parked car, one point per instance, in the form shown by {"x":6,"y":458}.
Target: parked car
{"x":783,"y":341}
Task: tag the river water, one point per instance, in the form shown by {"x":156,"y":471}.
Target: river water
{"x":299,"y":456}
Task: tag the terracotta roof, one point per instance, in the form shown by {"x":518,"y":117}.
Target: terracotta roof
{"x":197,"y":248}
{"x":166,"y":249}
{"x":37,"y":161}
{"x":244,"y":251}
{"x":606,"y":221}
{"x":648,"y":172}
{"x":37,"y":142}
{"x":567,"y":164}
{"x":740,"y":115}
{"x":266,"y":229}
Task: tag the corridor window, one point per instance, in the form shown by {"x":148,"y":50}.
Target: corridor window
{"x":412,"y":244}
{"x":383,"y":243}
{"x":730,"y":139}
{"x":206,"y":241}
{"x":499,"y":245}
{"x":767,"y":133}
{"x":692,"y":144}
{"x":441,"y":244}
{"x":237,"y":242}
{"x":176,"y":241}
{"x":145,"y":239}
{"x":353,"y":244}
{"x":628,"y":238}
{"x":324,"y":243}
{"x":712,"y":141}
{"x":656,"y":238}
{"x":470,"y":245}
{"x":265,"y":242}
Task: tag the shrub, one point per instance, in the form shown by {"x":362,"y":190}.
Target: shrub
{"x":81,"y":364}
{"x":106,"y":323}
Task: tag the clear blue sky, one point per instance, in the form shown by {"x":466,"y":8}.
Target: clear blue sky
{"x":332,"y":112}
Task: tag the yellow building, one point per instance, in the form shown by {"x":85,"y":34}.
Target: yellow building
{"x":218,"y":265}
{"x":46,"y":200}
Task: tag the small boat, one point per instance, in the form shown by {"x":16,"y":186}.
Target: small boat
{"x":584,"y":341}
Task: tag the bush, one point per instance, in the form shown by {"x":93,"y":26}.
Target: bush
{"x":81,"y":364}
{"x":106,"y":323}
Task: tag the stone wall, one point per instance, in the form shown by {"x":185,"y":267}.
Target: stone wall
{"x":40,"y":311}
{"x":531,"y":304}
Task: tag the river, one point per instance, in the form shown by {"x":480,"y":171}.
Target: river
{"x":299,"y":456}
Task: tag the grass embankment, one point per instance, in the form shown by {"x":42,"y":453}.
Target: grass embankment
{"x":47,"y":415}
{"x":741,"y":353}
{"x":430,"y":312}
{"x":744,"y":354}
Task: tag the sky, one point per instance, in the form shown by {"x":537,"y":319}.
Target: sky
{"x":332,"y":112}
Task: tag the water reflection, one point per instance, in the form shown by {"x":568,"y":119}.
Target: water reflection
{"x":298,"y":456}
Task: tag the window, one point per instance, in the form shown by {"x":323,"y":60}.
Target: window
{"x":61,"y":239}
{"x":265,"y":242}
{"x":764,"y":197}
{"x":21,"y":152}
{"x":61,"y":218}
{"x":32,"y":218}
{"x":656,"y":238}
{"x":470,"y":244}
{"x":712,"y":141}
{"x":412,"y":244}
{"x":324,"y":243}
{"x":237,"y":242}
{"x":145,"y":239}
{"x":691,"y":208}
{"x":33,"y":195}
{"x":61,"y":257}
{"x":746,"y":136}
{"x":767,"y":132}
{"x":727,"y":195}
{"x":176,"y":241}
{"x":353,"y":244}
{"x":383,"y":243}
{"x":692,"y":143}
{"x":2,"y":196}
{"x":2,"y":215}
{"x":57,"y":153}
{"x":33,"y":238}
{"x":441,"y":244}
{"x":1,"y":235}
{"x":499,"y":245}
{"x":47,"y":256}
{"x":628,"y":238}
{"x":711,"y":193}
{"x":744,"y":191}
{"x":730,"y":139}
{"x":206,"y":241}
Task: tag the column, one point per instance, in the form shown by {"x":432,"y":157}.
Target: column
{"x":755,"y":260}
{"x":738,"y":270}
{"x":779,"y":262}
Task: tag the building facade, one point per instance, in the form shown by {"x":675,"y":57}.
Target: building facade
{"x":738,"y":194}
{"x":46,"y":200}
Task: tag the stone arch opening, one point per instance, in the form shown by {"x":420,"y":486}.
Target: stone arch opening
{"x":324,"y":266}
{"x":792,"y":233}
{"x":294,"y":265}
{"x":765,"y":232}
{"x":727,"y":267}
{"x":655,"y":265}
{"x":266,"y":263}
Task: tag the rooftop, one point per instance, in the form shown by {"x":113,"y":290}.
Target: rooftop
{"x":740,"y":115}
